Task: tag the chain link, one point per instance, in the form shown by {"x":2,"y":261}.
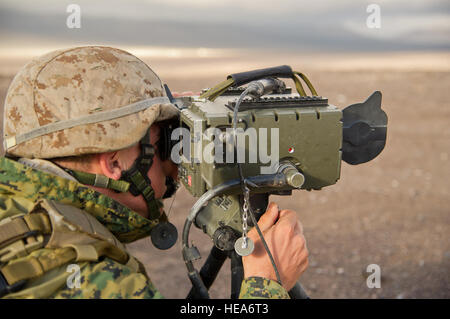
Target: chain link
{"x":245,"y":208}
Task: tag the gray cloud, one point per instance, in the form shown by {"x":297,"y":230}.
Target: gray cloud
{"x":288,"y":24}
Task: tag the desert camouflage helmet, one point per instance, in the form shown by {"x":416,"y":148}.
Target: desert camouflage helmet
{"x":80,"y":101}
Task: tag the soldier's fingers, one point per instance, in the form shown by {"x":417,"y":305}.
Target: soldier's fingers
{"x":288,"y":216}
{"x":298,"y":229}
{"x":185,"y":93}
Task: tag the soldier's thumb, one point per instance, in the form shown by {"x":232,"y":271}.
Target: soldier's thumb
{"x":269,"y":218}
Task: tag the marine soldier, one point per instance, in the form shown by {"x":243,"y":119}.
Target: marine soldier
{"x":83,"y":174}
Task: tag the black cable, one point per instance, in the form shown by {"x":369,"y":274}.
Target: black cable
{"x":243,"y":186}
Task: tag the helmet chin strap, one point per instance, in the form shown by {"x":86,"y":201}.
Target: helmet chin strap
{"x":140,"y":183}
{"x":164,"y":235}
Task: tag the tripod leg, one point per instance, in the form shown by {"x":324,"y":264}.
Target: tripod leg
{"x":297,"y":292}
{"x":237,"y":274}
{"x":209,"y":271}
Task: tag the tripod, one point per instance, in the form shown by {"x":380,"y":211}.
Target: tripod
{"x":217,"y":257}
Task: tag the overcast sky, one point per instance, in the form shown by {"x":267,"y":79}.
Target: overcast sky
{"x":338,"y":25}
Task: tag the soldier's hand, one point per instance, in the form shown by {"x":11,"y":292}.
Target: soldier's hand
{"x":284,"y":236}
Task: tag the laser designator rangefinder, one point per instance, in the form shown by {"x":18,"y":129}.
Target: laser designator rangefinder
{"x":253,"y":133}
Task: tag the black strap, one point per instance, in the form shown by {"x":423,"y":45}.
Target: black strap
{"x":282,"y":71}
{"x":136,"y":175}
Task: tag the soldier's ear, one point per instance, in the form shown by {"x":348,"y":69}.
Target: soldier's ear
{"x":110,"y":165}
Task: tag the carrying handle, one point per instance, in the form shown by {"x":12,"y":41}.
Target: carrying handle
{"x":282,"y":71}
{"x":238,"y":79}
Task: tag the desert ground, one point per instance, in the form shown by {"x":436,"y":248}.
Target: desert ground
{"x":393,"y":211}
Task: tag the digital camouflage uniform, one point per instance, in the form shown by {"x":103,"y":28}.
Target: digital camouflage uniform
{"x":21,"y":187}
{"x":54,"y":88}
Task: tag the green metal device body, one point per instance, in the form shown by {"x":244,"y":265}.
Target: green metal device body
{"x":309,"y":131}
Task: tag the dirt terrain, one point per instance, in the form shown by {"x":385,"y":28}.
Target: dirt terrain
{"x":393,"y":211}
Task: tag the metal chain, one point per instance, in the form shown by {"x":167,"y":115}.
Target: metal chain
{"x":245,"y":208}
